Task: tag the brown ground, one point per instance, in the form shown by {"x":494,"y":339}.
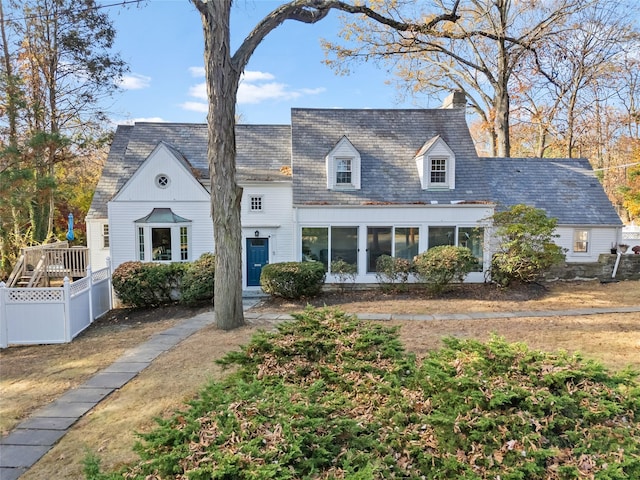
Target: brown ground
{"x":31,"y":376}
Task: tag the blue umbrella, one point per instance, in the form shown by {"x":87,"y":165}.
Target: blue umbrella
{"x":70,"y":235}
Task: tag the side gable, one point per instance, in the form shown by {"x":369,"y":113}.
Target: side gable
{"x":164,"y":175}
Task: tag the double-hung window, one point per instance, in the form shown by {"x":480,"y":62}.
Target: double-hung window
{"x":437,"y":171}
{"x":581,"y":241}
{"x":343,"y":171}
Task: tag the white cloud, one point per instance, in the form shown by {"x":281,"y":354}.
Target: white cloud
{"x":135,"y":81}
{"x":195,"y":107}
{"x":196,"y":71}
{"x":256,"y":76}
{"x":131,"y":121}
{"x":255,"y":87}
{"x":199,"y":91}
{"x":252,"y":93}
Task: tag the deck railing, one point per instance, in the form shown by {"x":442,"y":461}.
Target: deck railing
{"x":41,"y":263}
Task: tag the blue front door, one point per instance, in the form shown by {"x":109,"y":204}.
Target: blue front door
{"x":257,"y":257}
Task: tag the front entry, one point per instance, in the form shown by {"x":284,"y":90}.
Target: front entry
{"x":257,"y":257}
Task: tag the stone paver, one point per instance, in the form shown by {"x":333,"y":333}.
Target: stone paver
{"x":35,"y":436}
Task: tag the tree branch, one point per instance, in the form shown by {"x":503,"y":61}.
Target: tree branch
{"x":312,"y":11}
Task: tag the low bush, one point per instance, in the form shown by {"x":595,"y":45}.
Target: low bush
{"x":344,"y":272}
{"x":198,"y":281}
{"x":393,"y":273}
{"x":439,"y":266}
{"x":329,"y":396}
{"x":292,"y":279}
{"x":139,"y":284}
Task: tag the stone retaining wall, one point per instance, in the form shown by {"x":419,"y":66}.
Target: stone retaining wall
{"x":628,"y":269}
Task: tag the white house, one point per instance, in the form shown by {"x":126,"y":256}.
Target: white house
{"x":336,"y":184}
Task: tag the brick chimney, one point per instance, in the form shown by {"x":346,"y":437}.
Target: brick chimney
{"x":455,"y":99}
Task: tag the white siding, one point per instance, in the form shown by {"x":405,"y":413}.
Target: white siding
{"x":122,"y":230}
{"x":142,"y":185}
{"x":601,"y":239}
{"x":274,"y":222}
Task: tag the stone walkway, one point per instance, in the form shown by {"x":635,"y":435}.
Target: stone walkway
{"x":36,"y":435}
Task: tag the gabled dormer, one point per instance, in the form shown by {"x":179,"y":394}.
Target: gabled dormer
{"x":343,"y":166}
{"x":436,"y":165}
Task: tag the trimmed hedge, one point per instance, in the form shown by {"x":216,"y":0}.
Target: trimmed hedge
{"x":198,"y":281}
{"x":293,"y":279}
{"x":441,"y":265}
{"x":139,"y":284}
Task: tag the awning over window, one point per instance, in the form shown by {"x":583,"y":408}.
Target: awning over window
{"x":162,"y":215}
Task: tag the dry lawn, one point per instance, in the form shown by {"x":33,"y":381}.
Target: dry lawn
{"x":176,"y":376}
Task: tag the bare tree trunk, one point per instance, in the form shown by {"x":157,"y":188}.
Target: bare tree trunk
{"x":226,"y":195}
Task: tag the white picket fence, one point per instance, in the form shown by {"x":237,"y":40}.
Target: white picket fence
{"x":53,"y":314}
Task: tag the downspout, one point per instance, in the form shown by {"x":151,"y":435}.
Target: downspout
{"x":615,"y":267}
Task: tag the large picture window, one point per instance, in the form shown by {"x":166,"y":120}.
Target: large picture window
{"x":326,"y":245}
{"x":473,"y":239}
{"x":165,"y":235}
{"x":441,"y":236}
{"x":378,"y":244}
{"x":405,"y":242}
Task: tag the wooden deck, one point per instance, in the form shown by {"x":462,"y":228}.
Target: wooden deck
{"x":38,"y":265}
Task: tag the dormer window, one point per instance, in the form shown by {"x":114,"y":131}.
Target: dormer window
{"x":343,"y":166}
{"x":438,"y":170}
{"x":343,"y":171}
{"x":436,"y":165}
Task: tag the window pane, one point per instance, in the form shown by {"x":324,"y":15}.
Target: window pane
{"x":184,"y":244}
{"x":343,"y":170}
{"x":344,"y":244}
{"x":256,"y":203}
{"x":438,"y":170}
{"x":406,"y":242}
{"x":161,"y":243}
{"x":472,"y":238}
{"x":378,"y":243}
{"x":441,"y":236}
{"x":581,"y":241}
{"x":105,"y":235}
{"x":141,"y":244}
{"x":315,"y":245}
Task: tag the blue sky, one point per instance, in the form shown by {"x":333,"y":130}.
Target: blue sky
{"x":163,"y":45}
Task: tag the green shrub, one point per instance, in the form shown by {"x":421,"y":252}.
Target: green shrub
{"x":393,"y":273}
{"x":198,"y":281}
{"x":439,"y":266}
{"x":292,"y":279}
{"x":344,"y":272}
{"x":139,"y":284}
{"x":329,"y":396}
{"x":526,"y":248}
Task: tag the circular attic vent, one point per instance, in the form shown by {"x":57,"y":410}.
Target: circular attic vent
{"x":162,"y":181}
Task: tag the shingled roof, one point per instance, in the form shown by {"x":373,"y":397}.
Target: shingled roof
{"x":388,"y":141}
{"x":262,"y":151}
{"x":566,"y":188}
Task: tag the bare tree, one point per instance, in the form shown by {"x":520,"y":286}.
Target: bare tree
{"x":479,"y":54}
{"x":223,"y":70}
